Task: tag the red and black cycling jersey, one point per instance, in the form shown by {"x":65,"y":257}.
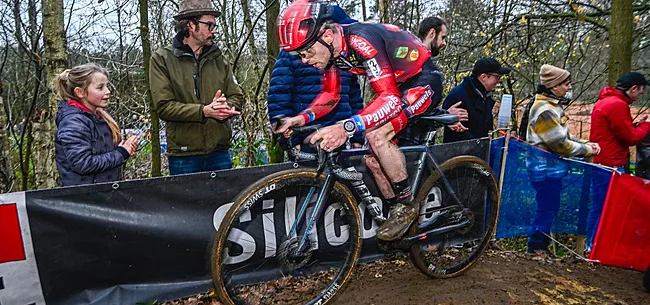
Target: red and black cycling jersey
{"x":388,"y":56}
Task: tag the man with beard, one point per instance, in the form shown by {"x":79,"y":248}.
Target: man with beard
{"x":433,"y":34}
{"x":195,"y":92}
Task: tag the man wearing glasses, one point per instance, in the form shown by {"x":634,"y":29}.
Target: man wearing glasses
{"x":475,"y":95}
{"x":195,"y":92}
{"x":399,"y":69}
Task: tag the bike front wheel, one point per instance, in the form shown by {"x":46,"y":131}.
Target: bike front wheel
{"x":449,"y":254}
{"x":256,"y":261}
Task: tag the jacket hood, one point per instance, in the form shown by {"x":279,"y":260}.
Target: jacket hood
{"x":64,"y":110}
{"x":613,"y":92}
{"x":339,"y":16}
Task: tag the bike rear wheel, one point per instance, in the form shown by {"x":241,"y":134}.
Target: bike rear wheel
{"x":252,"y":264}
{"x":449,"y":254}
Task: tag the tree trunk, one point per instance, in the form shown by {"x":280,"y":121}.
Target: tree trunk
{"x":363,"y":10}
{"x":383,"y":11}
{"x":155,"y":123}
{"x":251,"y":37}
{"x":56,"y":60}
{"x":6,"y":169}
{"x":276,"y":155}
{"x":620,"y":40}
{"x":45,"y":172}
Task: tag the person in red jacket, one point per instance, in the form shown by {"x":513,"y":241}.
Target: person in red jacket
{"x":613,"y":129}
{"x":611,"y":122}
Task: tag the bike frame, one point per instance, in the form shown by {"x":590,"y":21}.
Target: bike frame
{"x":425,"y":158}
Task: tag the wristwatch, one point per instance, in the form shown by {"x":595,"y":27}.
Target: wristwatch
{"x":349,"y":127}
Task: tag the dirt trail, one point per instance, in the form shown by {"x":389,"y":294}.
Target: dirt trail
{"x":499,"y":278}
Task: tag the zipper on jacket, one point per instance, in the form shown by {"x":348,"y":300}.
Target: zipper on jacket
{"x":197,"y":76}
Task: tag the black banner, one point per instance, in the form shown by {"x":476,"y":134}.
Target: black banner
{"x":146,"y":240}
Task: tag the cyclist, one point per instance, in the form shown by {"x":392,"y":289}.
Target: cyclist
{"x":406,"y":82}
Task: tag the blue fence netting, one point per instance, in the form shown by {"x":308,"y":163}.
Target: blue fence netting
{"x":582,"y":193}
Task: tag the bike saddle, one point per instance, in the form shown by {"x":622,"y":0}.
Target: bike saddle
{"x":437,"y":120}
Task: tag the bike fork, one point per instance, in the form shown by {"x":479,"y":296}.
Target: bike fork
{"x":323,"y":196}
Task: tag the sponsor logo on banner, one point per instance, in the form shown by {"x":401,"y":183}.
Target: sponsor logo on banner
{"x":10,"y":237}
{"x":19,"y":281}
{"x":414,"y":55}
{"x":362,"y":46}
{"x":401,"y":52}
{"x":373,"y":68}
{"x":263,"y":243}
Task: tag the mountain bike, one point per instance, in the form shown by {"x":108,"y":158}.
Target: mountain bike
{"x":295,"y":209}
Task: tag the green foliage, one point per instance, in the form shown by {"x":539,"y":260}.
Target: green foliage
{"x":241,"y":151}
{"x":276,"y":154}
{"x":518,"y":244}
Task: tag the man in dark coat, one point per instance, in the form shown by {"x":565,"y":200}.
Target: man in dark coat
{"x":475,"y":95}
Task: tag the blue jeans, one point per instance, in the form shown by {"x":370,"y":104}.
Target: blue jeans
{"x":548,"y":205}
{"x":599,"y":185}
{"x":202,"y":163}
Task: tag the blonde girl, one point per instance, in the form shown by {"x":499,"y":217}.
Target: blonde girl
{"x":88,"y":141}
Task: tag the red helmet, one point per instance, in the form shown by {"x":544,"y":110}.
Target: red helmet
{"x":299,"y":25}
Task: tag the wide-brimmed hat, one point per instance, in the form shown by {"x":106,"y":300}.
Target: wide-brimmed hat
{"x":194,"y":8}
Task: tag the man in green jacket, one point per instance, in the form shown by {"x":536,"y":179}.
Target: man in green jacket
{"x":195,"y":92}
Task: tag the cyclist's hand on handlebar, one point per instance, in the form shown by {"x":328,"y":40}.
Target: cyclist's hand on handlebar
{"x":460,"y":112}
{"x":330,"y":137}
{"x":283,"y":126}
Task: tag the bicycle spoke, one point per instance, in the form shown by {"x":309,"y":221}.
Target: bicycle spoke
{"x":452,"y":253}
{"x":327,"y":259}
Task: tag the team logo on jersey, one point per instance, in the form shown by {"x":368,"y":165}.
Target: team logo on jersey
{"x":373,"y":68}
{"x":401,"y":52}
{"x":414,"y":55}
{"x":353,"y":60}
{"x":362,"y":46}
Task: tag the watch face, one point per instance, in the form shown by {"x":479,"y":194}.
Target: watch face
{"x":349,"y":126}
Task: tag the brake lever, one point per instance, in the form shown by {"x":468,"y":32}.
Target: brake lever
{"x":322,"y":157}
{"x":279,"y":121}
